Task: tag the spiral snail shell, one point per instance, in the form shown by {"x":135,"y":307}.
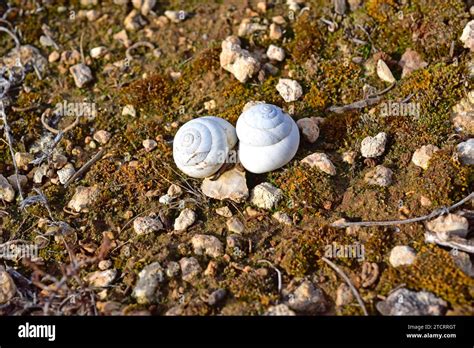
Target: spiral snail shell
{"x":269,"y":138}
{"x":201,"y":145}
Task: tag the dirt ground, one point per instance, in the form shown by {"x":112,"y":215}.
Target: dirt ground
{"x":168,"y":85}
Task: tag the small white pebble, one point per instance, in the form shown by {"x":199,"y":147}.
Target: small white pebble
{"x":149,"y":144}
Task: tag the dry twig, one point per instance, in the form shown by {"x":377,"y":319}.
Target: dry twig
{"x":276,"y":270}
{"x":85,"y":167}
{"x":349,"y":283}
{"x":360,"y":104}
{"x":433,"y":214}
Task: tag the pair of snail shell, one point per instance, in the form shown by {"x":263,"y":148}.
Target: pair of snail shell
{"x":269,"y":139}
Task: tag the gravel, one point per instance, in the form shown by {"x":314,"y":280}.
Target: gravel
{"x":407,"y":302}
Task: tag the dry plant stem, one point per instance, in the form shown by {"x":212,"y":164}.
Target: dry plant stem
{"x":360,"y":104}
{"x":14,"y":37}
{"x":10,"y":145}
{"x":349,"y":283}
{"x":57,"y":131}
{"x":28,"y":108}
{"x":276,"y":270}
{"x":83,"y":61}
{"x":85,"y":167}
{"x":433,"y":214}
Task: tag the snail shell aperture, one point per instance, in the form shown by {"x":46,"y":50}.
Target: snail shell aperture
{"x":201,"y":146}
{"x":269,"y":138}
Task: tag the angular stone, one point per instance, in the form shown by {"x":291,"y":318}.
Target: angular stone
{"x":146,"y":288}
{"x":290,"y":90}
{"x":309,"y":127}
{"x":275,"y":32}
{"x":384,"y":73}
{"x":307,"y":299}
{"x":448,"y":225}
{"x":422,"y":156}
{"x":320,"y":161}
{"x":266,"y":196}
{"x":102,"y":136}
{"x":344,"y":295}
{"x":235,"y":225}
{"x":185,"y":219}
{"x":379,"y":176}
{"x":224,"y":211}
{"x":467,"y":36}
{"x":407,"y":302}
{"x":145,"y":225}
{"x":82,"y":74}
{"x":238,"y":61}
{"x":465,"y":151}
{"x":149,"y":144}
{"x":349,"y":157}
{"x":282,"y":218}
{"x":134,"y":21}
{"x":276,"y":53}
{"x":208,"y":245}
{"x":402,"y":255}
{"x":411,"y":61}
{"x":232,"y":185}
{"x":83,"y":197}
{"x":190,"y":269}
{"x":23,"y":159}
{"x":371,"y":147}
{"x":66,"y":173}
{"x":7,"y":193}
{"x":97,"y":52}
{"x":174,"y":191}
{"x":7,"y":286}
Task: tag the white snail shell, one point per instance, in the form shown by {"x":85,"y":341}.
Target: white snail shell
{"x":269,"y":138}
{"x":201,"y":145}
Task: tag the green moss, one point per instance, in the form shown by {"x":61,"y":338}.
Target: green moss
{"x":433,"y":271}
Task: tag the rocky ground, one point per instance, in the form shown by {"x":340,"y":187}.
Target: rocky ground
{"x":92,"y":94}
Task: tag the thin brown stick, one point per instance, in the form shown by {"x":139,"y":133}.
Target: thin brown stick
{"x":7,"y":131}
{"x":57,"y":131}
{"x":27,"y":108}
{"x":349,"y":283}
{"x":13,"y":36}
{"x":276,"y":270}
{"x":83,"y":60}
{"x":360,"y":104}
{"x":85,"y":167}
{"x":433,"y":214}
